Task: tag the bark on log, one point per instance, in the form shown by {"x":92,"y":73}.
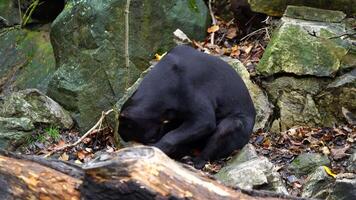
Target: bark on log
{"x":25,"y":179}
{"x":147,"y":173}
{"x":132,"y":173}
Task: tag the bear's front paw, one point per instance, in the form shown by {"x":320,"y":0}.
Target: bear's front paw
{"x":199,"y":163}
{"x":166,"y":147}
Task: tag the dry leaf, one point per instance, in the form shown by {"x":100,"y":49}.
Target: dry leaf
{"x":267,"y":143}
{"x":159,"y":57}
{"x":339,"y":153}
{"x":213,"y":29}
{"x":64,"y":157}
{"x":325,"y":150}
{"x":60,"y":144}
{"x":109,"y":149}
{"x":81,"y":154}
{"x":235,"y":52}
{"x":328,"y":171}
{"x":78,"y":162}
{"x":247,"y":49}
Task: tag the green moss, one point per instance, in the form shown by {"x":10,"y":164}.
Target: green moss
{"x":293,"y":50}
{"x":277,"y":7}
{"x":314,"y":14}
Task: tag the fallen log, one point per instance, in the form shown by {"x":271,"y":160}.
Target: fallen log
{"x":132,"y":173}
{"x":147,"y":173}
{"x":22,"y":178}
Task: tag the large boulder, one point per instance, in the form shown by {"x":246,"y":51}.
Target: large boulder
{"x":277,"y":7}
{"x":88,"y":38}
{"x":23,"y":111}
{"x":26,"y":59}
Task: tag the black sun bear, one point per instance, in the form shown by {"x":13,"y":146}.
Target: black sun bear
{"x":190,"y":101}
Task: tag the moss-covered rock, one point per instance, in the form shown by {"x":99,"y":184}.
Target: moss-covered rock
{"x":26,"y":59}
{"x":9,"y":12}
{"x":88,"y":39}
{"x":308,"y":162}
{"x":338,"y":95}
{"x":306,"y":48}
{"x":22,"y":112}
{"x":314,"y":14}
{"x":302,"y":58}
{"x":37,"y":107}
{"x":277,"y":7}
{"x":295,"y":100}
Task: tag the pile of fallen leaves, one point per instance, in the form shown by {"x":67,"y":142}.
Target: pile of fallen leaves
{"x":223,"y":40}
{"x":97,"y":142}
{"x":282,"y":148}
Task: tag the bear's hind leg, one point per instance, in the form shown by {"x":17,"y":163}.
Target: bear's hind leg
{"x":231,"y":134}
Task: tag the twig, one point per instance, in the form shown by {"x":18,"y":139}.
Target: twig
{"x":20,"y":13}
{"x":98,"y":123}
{"x":342,"y":35}
{"x":29,"y":11}
{"x":213,"y":22}
{"x":253,"y":33}
{"x":127,"y":56}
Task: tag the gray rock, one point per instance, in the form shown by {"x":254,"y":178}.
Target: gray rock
{"x":13,"y":129}
{"x":306,"y":163}
{"x":247,"y":153}
{"x":344,"y":188}
{"x":37,"y":107}
{"x":336,"y":98}
{"x":247,"y":171}
{"x":12,"y":123}
{"x":318,"y":184}
{"x":23,"y":111}
{"x":88,"y":39}
{"x":295,"y":100}
{"x":352,"y":163}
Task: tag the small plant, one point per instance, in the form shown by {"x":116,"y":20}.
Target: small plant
{"x":27,"y":15}
{"x":48,"y":133}
{"x":35,"y":137}
{"x":53,"y":132}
